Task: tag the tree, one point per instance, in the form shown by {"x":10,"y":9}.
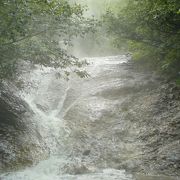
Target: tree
{"x":36,"y":31}
{"x":151,"y":28}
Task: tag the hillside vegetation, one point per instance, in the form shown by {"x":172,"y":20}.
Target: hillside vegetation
{"x":151,"y":30}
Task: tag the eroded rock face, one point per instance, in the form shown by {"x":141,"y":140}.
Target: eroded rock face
{"x":127,"y":122}
{"x":20,"y":142}
{"x":119,"y":118}
{"x":12,"y":107}
{"x":162,"y":133}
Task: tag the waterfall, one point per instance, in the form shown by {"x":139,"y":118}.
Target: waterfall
{"x":83,"y":124}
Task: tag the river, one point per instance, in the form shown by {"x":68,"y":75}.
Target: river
{"x":83,"y":125}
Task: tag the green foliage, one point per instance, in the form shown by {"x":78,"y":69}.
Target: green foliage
{"x":39,"y":32}
{"x":97,"y":8}
{"x":178,"y":82}
{"x":151,"y":28}
{"x":96,"y":43}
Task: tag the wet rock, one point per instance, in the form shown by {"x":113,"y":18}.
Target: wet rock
{"x":19,"y":138}
{"x":75,"y":169}
{"x":171,"y":96}
{"x":42,"y":108}
{"x":86,"y":153}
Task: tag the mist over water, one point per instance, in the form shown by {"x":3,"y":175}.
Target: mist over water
{"x":53,"y":101}
{"x":97,"y":43}
{"x":81,"y":124}
{"x":119,"y":123}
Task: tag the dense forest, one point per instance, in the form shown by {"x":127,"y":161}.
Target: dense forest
{"x":36,"y":31}
{"x":151,"y":29}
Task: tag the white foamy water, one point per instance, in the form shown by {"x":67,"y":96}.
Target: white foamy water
{"x":68,"y":116}
{"x":47,"y":100}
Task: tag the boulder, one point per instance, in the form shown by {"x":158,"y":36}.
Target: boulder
{"x":20,"y":142}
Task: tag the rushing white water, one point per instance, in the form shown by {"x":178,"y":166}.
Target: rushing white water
{"x":80,"y":124}
{"x":49,"y":102}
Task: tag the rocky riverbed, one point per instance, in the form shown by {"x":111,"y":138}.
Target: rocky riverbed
{"x":120,"y":123}
{"x":20,"y":142}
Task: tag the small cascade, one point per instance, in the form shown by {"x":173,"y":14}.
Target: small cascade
{"x":85,"y":123}
{"x":46,"y":108}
